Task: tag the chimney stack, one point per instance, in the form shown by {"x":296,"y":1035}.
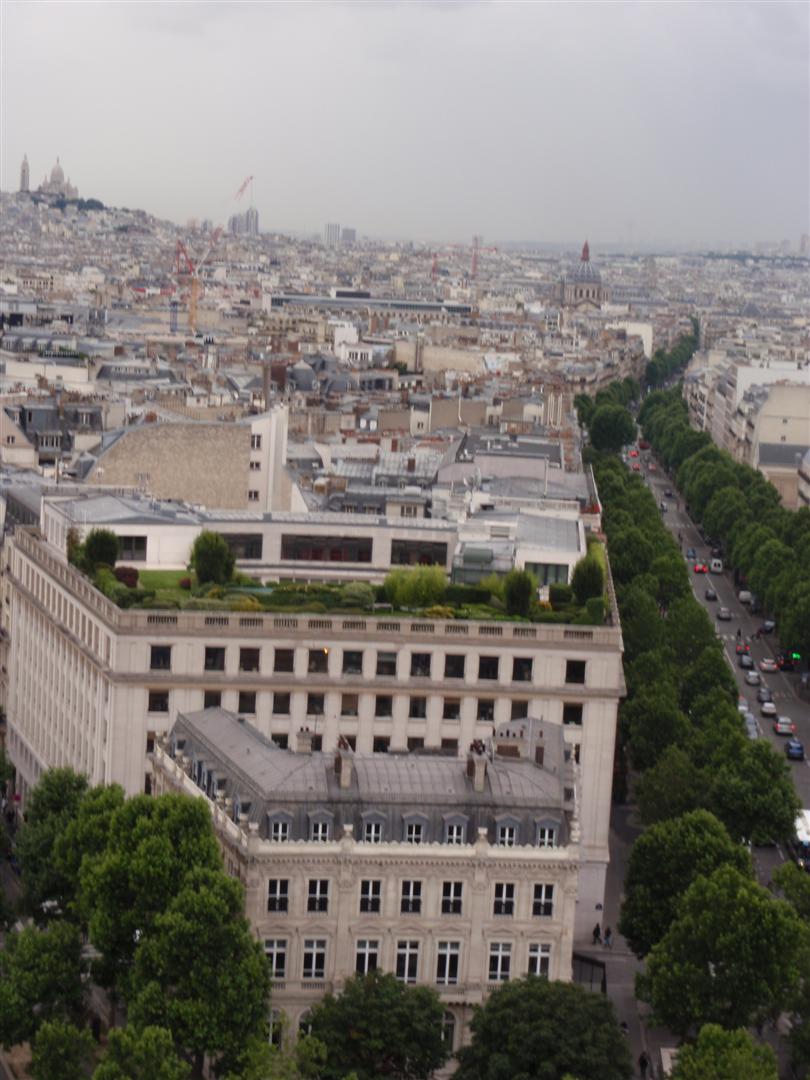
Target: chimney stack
{"x":344,"y":766}
{"x":477,"y":766}
{"x":303,"y":741}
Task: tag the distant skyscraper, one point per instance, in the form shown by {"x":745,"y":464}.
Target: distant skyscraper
{"x":804,"y":244}
{"x":331,"y":235}
{"x":24,"y":174}
{"x":348,"y":236}
{"x":252,"y":221}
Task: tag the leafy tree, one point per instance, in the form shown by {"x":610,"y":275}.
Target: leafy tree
{"x":794,"y":627}
{"x":795,"y":886}
{"x":419,"y":587}
{"x":61,"y":1052}
{"x":725,"y":1055}
{"x":379,"y":1027}
{"x":708,"y":672}
{"x":611,"y":428}
{"x":588,"y":579}
{"x":200,"y":973}
{"x":54,"y":803}
{"x":733,"y":956}
{"x":631,"y":553}
{"x":689,"y":630}
{"x":519,"y":590}
{"x":153,"y":845}
{"x":664,"y":862}
{"x":212,"y":559}
{"x":101,"y":547}
{"x":357,"y":594}
{"x":263,"y":1061}
{"x":83,"y":839}
{"x":754,"y":795}
{"x":41,"y":979}
{"x":672,"y":576}
{"x":146,"y":1054}
{"x":673,"y":786}
{"x":642,"y":625}
{"x":533,"y":1029}
{"x":652,"y":722}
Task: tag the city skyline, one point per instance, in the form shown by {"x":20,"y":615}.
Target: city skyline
{"x":633,"y":124}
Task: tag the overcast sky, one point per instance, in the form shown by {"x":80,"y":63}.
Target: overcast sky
{"x":639,"y":122}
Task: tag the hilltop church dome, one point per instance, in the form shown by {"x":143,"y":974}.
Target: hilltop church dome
{"x":57,"y":174}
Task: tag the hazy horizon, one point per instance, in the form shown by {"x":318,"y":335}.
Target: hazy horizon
{"x":639,"y":125}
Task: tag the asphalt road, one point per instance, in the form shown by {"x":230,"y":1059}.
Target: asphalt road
{"x":783,"y":686}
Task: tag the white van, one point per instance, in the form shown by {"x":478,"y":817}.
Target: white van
{"x":716,"y":566}
{"x":744,"y":596}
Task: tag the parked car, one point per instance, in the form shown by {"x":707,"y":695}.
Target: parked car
{"x":742,"y":647}
{"x":724,"y":614}
{"x":744,"y":596}
{"x":716,"y":566}
{"x":768,"y":664}
{"x":691,"y":554}
{"x":794,"y":750}
{"x":767,"y":708}
{"x":701,"y":568}
{"x":670,"y":494}
{"x":783,"y":725}
{"x":745,"y":661}
{"x":710,"y":594}
{"x":751,"y":726}
{"x":767,"y":627}
{"x":764,"y":694}
{"x":752,"y":678}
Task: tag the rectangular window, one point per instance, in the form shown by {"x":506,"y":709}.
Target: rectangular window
{"x":318,"y":895}
{"x":415,"y":742}
{"x":280,"y":829}
{"x":352,"y":662}
{"x":284,"y":660}
{"x":448,"y":955}
{"x":370,"y":897}
{"x":539,"y":960}
{"x":449,"y":747}
{"x":414,"y":832}
{"x":307,"y":548}
{"x":214,"y":658}
{"x":522,"y":669}
{"x":500,"y":961}
{"x":572,"y":714}
{"x":278,"y":894}
{"x":212,"y":699}
{"x":543,"y":903}
{"x":255,"y":442}
{"x":454,"y":666}
{"x":319,"y":831}
{"x":386,"y":663}
{"x":381,"y":744}
{"x":486,"y":709}
{"x":420,"y":665}
{"x":349,"y":704}
{"x":417,"y":708}
{"x":249,"y":659}
{"x":407,"y":961}
{"x":366,"y":956}
{"x":451,"y":897}
{"x":253,"y":496}
{"x":281,"y":704}
{"x":456,"y":833}
{"x":546,"y":836}
{"x":575,"y":671}
{"x":451,"y":708}
{"x":132,"y":548}
{"x":247,"y":702}
{"x":275,"y":949}
{"x":417,"y":553}
{"x":160,"y":658}
{"x":318,"y":662}
{"x":384,"y":705}
{"x":314,"y":704}
{"x":244,"y":545}
{"x":504,"y":898}
{"x":411,"y":902}
{"x":281,"y":741}
{"x":255,"y":466}
{"x":488,"y":667}
{"x":507,"y":835}
{"x":520,"y":710}
{"x":158,"y":701}
{"x":314,"y":966}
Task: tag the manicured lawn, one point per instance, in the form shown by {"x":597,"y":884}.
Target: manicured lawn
{"x":165,"y":583}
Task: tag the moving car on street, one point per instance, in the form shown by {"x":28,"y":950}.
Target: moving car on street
{"x":745,"y":661}
{"x":764,"y":694}
{"x":752,"y":678}
{"x":710,"y":594}
{"x":767,"y":708}
{"x":783,"y":725}
{"x":724,"y":614}
{"x":768,"y":664}
{"x":701,"y":568}
{"x":794,"y":750}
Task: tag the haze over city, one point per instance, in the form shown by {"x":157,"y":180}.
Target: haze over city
{"x":637,"y":124}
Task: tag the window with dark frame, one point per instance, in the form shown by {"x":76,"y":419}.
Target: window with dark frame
{"x":284,"y":660}
{"x":214,"y":658}
{"x":575,"y":671}
{"x":278,"y":894}
{"x":454,"y":664}
{"x":160,"y":658}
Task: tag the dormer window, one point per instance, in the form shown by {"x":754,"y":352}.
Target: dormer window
{"x":279,"y":826}
{"x":320,"y":826}
{"x":373,"y":827}
{"x":547,"y":832}
{"x":455,"y":829}
{"x":415,"y":829}
{"x":507,"y":832}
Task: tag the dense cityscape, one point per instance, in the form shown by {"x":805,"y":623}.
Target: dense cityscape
{"x":404,"y":649}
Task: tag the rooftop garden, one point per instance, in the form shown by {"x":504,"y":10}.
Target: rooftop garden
{"x":211,"y":583}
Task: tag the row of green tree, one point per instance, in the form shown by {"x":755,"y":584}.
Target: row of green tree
{"x":666,"y":363}
{"x":738,"y":507}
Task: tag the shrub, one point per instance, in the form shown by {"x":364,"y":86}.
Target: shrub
{"x":184,"y":583}
{"x":588,"y":579}
{"x":244,"y":603}
{"x":101,"y":546}
{"x":75,"y":548}
{"x":127,"y":575}
{"x":595,"y":609}
{"x":492,"y":584}
{"x":470,"y":594}
{"x":439,"y":611}
{"x":519,"y":590}
{"x":357,"y":594}
{"x":211,"y":558}
{"x":560,"y":596}
{"x":416,"y":588}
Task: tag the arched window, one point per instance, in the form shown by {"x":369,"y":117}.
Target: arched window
{"x":449,"y":1031}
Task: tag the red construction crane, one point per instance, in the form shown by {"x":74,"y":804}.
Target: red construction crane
{"x":243,"y":188}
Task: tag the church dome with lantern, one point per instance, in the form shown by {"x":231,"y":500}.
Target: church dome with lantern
{"x":582,"y":286}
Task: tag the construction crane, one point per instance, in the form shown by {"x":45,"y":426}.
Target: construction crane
{"x":184,"y":267}
{"x":243,"y":189}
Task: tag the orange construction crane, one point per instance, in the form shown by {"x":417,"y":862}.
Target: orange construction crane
{"x":184,"y":267}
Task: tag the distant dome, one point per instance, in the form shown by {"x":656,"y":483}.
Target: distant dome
{"x":57,"y":175}
{"x":584,"y":273}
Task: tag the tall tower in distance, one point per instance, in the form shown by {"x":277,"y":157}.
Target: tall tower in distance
{"x":331,"y":235}
{"x":24,"y":174}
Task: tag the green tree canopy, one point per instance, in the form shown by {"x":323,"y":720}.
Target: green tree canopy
{"x":754,"y":795}
{"x":211,"y":558}
{"x":61,"y":1052}
{"x":673,"y":786}
{"x":200,"y":973}
{"x":379,"y":1027}
{"x":304,"y":1060}
{"x":611,"y":428}
{"x":733,"y":956}
{"x":101,"y":547}
{"x":725,"y":1055}
{"x":588,"y":579}
{"x":520,"y":591}
{"x":82,"y":839}
{"x":663,"y":863}
{"x":533,"y":1029}
{"x":146,"y":1054}
{"x":652,"y":721}
{"x":419,"y":587}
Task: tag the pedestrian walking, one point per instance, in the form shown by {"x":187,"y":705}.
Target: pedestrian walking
{"x":597,"y":934}
{"x":739,"y":634}
{"x":624,"y":1027}
{"x":643,"y":1063}
{"x":607,"y":941}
